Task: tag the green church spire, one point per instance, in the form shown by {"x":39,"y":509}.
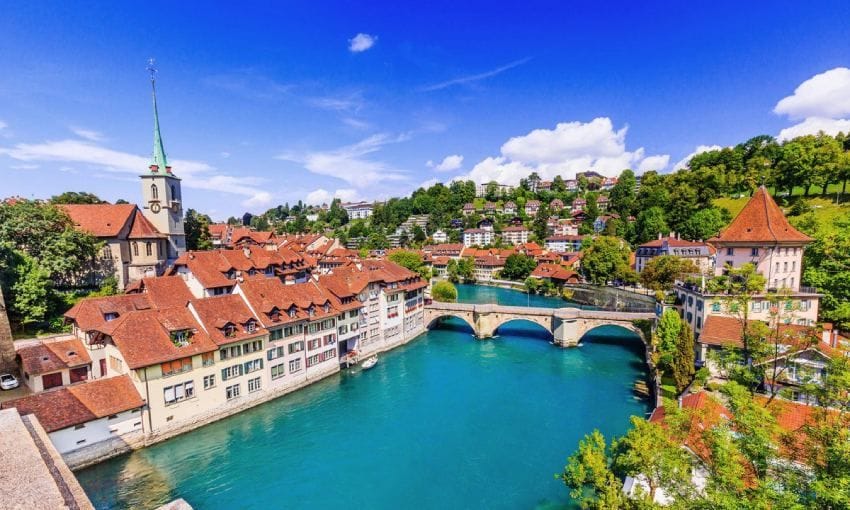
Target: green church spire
{"x":159,"y":158}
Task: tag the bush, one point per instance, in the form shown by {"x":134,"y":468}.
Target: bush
{"x":444,"y":292}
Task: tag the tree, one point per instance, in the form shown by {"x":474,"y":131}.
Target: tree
{"x":589,"y":477}
{"x":337,"y":216}
{"x":704,"y":224}
{"x":605,"y":259}
{"x":518,"y":266}
{"x":443,"y":291}
{"x":622,"y":198}
{"x":665,"y":340}
{"x":649,"y":224}
{"x":76,"y":197}
{"x":661,"y":272}
{"x":419,"y":234}
{"x":31,"y":291}
{"x":827,"y":268}
{"x":648,"y":451}
{"x":540,"y":222}
{"x":683,"y":359}
{"x":197,"y":229}
{"x":411,"y":260}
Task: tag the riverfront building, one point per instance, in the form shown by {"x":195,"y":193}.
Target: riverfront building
{"x":700,"y":253}
{"x":762,"y":236}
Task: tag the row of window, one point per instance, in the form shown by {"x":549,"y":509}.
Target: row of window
{"x":754,"y":252}
{"x":320,"y":357}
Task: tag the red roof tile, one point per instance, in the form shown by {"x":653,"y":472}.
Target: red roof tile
{"x":762,"y":221}
{"x":46,"y":357}
{"x":74,"y":405}
{"x":101,"y":220}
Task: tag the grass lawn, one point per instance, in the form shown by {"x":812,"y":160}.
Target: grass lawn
{"x":668,"y":389}
{"x":824,"y":208}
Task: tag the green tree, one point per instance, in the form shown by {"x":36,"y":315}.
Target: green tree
{"x":622,"y":198}
{"x":649,"y":224}
{"x":605,"y":259}
{"x":31,"y":291}
{"x":683,"y":359}
{"x":518,"y":266}
{"x":197,"y":229}
{"x":444,"y":292}
{"x":540,"y":220}
{"x":76,"y":197}
{"x":704,"y":224}
{"x":661,"y":272}
{"x":589,"y":477}
{"x":665,"y":339}
{"x":648,"y":451}
{"x":411,"y":260}
{"x":827,"y":268}
{"x":419,"y":234}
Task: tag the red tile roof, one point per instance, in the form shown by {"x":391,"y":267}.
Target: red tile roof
{"x":144,"y":337}
{"x":219,"y":311}
{"x":554,"y":272}
{"x":142,"y":228}
{"x":89,"y":314}
{"x":762,"y":221}
{"x":720,"y":330}
{"x":101,"y":220}
{"x":163,"y":291}
{"x":74,"y":405}
{"x":46,"y":357}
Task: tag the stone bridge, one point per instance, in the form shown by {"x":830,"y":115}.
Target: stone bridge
{"x":567,"y":325}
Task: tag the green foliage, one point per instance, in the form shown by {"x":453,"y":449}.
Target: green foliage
{"x":589,"y":477}
{"x":827,"y":267}
{"x":704,"y":224}
{"x":461,"y":270}
{"x":650,"y":223}
{"x":661,"y":272}
{"x":684,"y":358}
{"x":622,"y":198}
{"x":411,"y":260}
{"x":518,"y":266}
{"x":664,"y":340}
{"x":197,"y":229}
{"x":76,"y":197}
{"x":444,"y":291}
{"x":30,"y":291}
{"x":606,"y":259}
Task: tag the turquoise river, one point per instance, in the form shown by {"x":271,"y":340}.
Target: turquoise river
{"x":446,"y":421}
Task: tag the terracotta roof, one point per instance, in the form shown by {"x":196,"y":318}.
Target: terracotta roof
{"x":705,"y":414}
{"x":90,"y":313}
{"x":142,"y":228}
{"x":722,"y":331}
{"x":761,"y":220}
{"x":144,"y":337}
{"x":163,"y":291}
{"x":554,"y":272}
{"x":672,"y":242}
{"x":219,"y":311}
{"x":101,"y":220}
{"x":46,"y":357}
{"x":266,"y":295}
{"x":74,"y":405}
{"x":515,"y":229}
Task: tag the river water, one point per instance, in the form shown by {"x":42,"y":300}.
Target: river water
{"x":444,"y":422}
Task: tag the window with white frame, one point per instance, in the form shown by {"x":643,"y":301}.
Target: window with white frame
{"x":209,"y":381}
{"x":277,"y":371}
{"x":313,"y":360}
{"x":178,"y":392}
{"x":294,"y":365}
{"x":231,"y":391}
{"x":296,"y":347}
{"x":253,"y":385}
{"x":253,"y":365}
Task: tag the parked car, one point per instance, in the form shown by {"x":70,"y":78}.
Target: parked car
{"x":8,"y":382}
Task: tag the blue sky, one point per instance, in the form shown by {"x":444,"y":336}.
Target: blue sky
{"x":267,"y":103}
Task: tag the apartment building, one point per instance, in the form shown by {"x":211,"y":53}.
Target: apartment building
{"x":515,"y":235}
{"x":477,"y":237}
{"x":762,"y":236}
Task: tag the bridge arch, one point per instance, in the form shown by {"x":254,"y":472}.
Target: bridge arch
{"x":435,"y":319}
{"x":621,"y":325}
{"x":544,"y":322}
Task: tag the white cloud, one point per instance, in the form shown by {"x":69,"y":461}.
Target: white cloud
{"x":569,"y":148}
{"x":224,"y":154}
{"x":347,"y":103}
{"x":448,"y":164}
{"x":3,"y":125}
{"x":88,"y":134}
{"x":820,"y":101}
{"x":350,"y":163}
{"x":699,"y":150}
{"x":658,"y":163}
{"x":361,"y":42}
{"x":195,"y":174}
{"x":813,"y":125}
{"x":823,"y":95}
{"x":356,"y":123}
{"x":25,"y":166}
{"x":323,"y":196}
{"x":474,"y":77}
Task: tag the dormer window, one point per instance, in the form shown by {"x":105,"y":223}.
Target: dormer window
{"x":180,"y":338}
{"x":229,"y":330}
{"x":250,"y":326}
{"x":327,"y":307}
{"x":292,"y":311}
{"x":111,"y":316}
{"x":311,"y":310}
{"x":274,"y":315}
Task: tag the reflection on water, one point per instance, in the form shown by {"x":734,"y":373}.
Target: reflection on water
{"x":447,"y":421}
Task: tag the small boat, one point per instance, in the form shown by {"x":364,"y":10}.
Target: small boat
{"x":369,"y":363}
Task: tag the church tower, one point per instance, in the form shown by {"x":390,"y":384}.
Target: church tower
{"x":162,"y":197}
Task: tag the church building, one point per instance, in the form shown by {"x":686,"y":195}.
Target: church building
{"x":140,"y":241}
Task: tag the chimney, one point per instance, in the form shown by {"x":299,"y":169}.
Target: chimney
{"x":246,"y":251}
{"x":659,"y":236}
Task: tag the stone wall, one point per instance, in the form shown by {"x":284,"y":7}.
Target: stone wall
{"x":610,"y":298}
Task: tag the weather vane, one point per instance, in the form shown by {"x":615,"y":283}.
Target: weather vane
{"x":152,"y":68}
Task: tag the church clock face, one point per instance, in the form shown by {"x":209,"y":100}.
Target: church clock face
{"x":155,"y":208}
